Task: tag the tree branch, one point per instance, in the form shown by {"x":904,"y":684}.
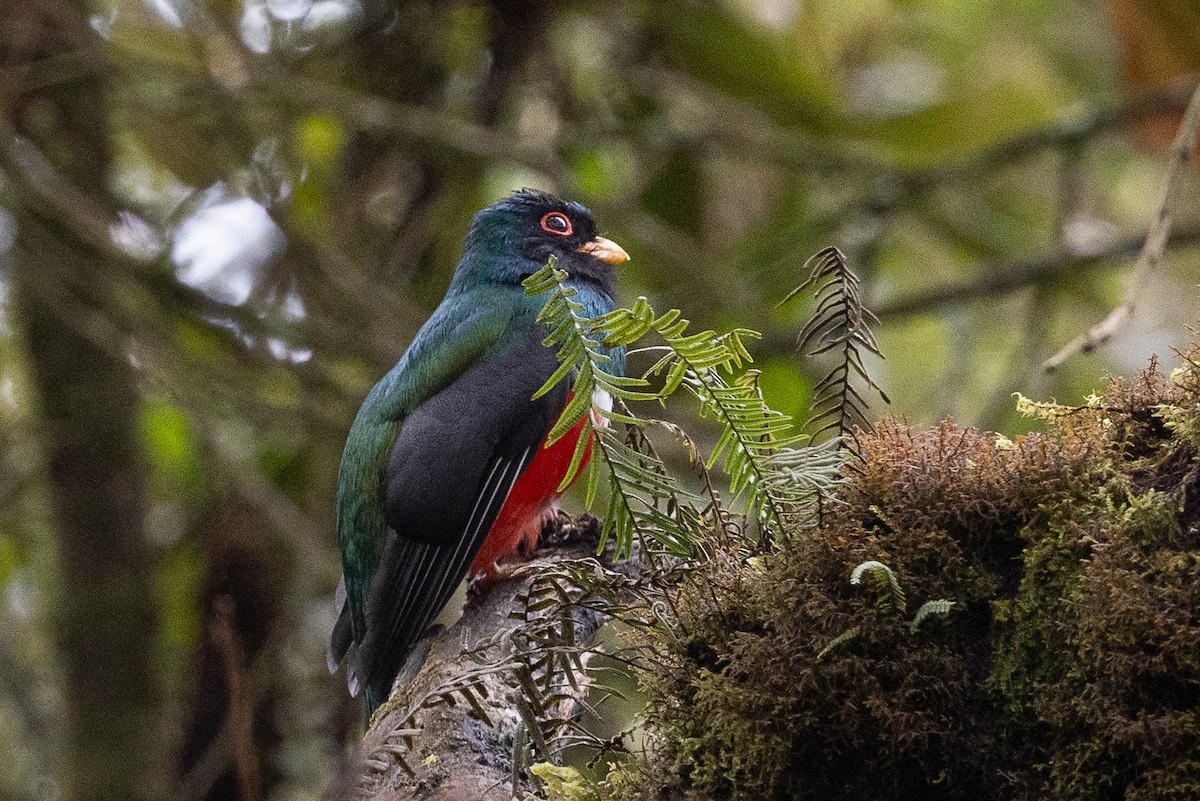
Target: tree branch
{"x":1087,"y":125}
{"x":1004,"y":279}
{"x":459,"y":724}
{"x":1152,"y":251}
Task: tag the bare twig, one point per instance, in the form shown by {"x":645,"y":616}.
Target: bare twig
{"x":1151,"y":255}
{"x":220,"y":754}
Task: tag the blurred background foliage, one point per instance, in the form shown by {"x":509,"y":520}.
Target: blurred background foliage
{"x":242,"y":210}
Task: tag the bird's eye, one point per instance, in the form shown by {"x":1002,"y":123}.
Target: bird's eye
{"x":556,"y":223}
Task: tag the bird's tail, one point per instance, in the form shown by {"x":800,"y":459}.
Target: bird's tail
{"x":373,"y":699}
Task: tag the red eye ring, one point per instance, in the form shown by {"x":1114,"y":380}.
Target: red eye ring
{"x":557,"y":218}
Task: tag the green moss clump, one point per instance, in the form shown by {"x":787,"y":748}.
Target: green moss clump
{"x":1068,"y":667}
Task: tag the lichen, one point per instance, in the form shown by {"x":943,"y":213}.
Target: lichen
{"x":563,"y":783}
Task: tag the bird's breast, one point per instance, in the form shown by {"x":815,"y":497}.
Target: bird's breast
{"x":534,"y":495}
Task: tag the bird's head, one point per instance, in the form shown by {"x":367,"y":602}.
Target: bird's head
{"x":514,"y":238}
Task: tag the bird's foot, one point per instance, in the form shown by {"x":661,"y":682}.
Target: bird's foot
{"x":557,"y":530}
{"x":481,"y":583}
{"x":562,"y":529}
{"x":549,"y":534}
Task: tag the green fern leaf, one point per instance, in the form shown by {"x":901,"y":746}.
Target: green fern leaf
{"x":843,"y":638}
{"x":938,"y":607}
{"x":891,"y":594}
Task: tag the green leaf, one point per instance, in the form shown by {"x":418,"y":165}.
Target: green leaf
{"x":581,"y":448}
{"x":891,"y":594}
{"x":938,"y":607}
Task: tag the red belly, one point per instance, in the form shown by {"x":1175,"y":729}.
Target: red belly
{"x":532,"y":498}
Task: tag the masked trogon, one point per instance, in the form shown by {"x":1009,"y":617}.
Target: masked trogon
{"x":446,"y":468}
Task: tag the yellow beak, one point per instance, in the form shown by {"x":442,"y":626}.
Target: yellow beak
{"x":606,"y":251}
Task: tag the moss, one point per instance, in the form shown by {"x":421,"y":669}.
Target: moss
{"x":1068,"y":668}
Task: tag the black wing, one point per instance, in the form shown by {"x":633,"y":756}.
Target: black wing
{"x":454,"y":463}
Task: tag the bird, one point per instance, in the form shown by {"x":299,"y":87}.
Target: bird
{"x":446,"y":468}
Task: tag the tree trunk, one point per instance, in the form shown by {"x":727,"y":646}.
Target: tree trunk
{"x":87,"y":402}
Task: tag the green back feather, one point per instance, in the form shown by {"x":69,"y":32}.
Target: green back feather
{"x":470,"y":321}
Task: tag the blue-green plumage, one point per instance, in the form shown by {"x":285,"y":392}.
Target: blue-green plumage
{"x":442,"y":438}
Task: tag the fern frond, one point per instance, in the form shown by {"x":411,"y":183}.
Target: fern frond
{"x":751,"y":433}
{"x":843,"y":638}
{"x":840,"y":324}
{"x":715,"y":510}
{"x":891,"y":595}
{"x":644,"y":500}
{"x":778,"y":490}
{"x":805,"y":478}
{"x":579,"y":350}
{"x":938,"y":607}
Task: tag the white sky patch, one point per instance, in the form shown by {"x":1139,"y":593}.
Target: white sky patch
{"x":222,"y":249}
{"x":1085,"y":235}
{"x":298,"y":25}
{"x":255,"y":28}
{"x":288,"y":10}
{"x":777,"y":14}
{"x":293,"y":311}
{"x":165,"y":524}
{"x":903,"y":84}
{"x":332,"y":12}
{"x":135,"y":236}
{"x":103,"y":24}
{"x":20,"y":598}
{"x":293,"y":306}
{"x":284,"y":352}
{"x":166,"y":11}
